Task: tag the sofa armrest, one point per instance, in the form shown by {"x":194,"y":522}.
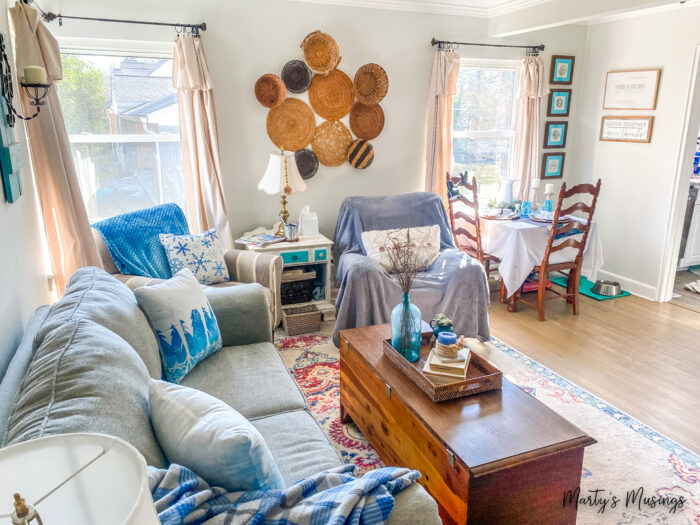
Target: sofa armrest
{"x":242,"y":313}
{"x":414,"y":505}
{"x":258,"y":267}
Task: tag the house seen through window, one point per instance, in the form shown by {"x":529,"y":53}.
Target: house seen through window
{"x":483,"y":122}
{"x":122,"y":120}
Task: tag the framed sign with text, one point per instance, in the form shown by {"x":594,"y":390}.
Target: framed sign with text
{"x":626,"y":129}
{"x":632,"y":89}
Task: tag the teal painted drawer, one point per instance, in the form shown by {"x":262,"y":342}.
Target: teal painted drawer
{"x":320,"y":254}
{"x":295,"y":257}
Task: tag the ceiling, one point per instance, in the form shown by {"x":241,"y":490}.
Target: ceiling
{"x":482,"y":8}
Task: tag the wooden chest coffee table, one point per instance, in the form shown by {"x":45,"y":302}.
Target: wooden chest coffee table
{"x":496,"y":457}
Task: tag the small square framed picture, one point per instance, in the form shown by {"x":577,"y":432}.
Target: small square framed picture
{"x":555,"y":134}
{"x":559,"y":103}
{"x":553,"y":165}
{"x":562,"y":70}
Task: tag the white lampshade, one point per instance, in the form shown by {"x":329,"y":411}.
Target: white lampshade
{"x":111,"y":490}
{"x":273,"y":183}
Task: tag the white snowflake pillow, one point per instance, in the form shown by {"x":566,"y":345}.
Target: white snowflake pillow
{"x":200,"y":252}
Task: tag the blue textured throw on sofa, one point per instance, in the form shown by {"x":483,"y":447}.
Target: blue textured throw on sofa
{"x":133,"y":243}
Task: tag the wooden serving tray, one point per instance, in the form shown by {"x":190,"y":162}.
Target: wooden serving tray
{"x":482,"y":376}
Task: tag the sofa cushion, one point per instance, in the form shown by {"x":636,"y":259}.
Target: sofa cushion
{"x":183,"y":321}
{"x":212,"y":439}
{"x":251,"y":378}
{"x":95,"y":295}
{"x":84,"y":378}
{"x":298,"y":444}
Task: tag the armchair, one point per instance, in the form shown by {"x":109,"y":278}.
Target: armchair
{"x":455,"y":284}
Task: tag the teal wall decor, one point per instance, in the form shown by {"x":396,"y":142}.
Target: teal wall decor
{"x":11,"y":157}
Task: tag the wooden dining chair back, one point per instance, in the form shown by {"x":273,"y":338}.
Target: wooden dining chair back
{"x":464,"y":219}
{"x":564,"y":233}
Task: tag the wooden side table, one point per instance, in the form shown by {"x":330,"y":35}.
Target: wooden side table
{"x":307,"y":251}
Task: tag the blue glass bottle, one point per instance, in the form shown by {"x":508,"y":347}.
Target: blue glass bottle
{"x":406,"y":329}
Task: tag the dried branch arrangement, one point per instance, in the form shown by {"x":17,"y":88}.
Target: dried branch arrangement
{"x":404,"y":257}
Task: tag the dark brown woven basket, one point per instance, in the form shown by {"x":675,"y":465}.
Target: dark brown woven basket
{"x":294,"y":292}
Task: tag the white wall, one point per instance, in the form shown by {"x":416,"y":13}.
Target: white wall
{"x":23,"y":272}
{"x":637,"y":179}
{"x":245,"y":39}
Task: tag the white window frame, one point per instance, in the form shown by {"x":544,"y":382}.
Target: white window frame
{"x":500,"y":65}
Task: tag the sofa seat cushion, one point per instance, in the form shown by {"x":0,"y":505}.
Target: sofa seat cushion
{"x":298,"y":444}
{"x":251,"y":378}
{"x":95,"y":295}
{"x":84,"y":378}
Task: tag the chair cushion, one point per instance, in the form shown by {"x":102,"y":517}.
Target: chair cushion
{"x":183,"y":320}
{"x":200,"y":252}
{"x":298,"y":444}
{"x":426,"y":239}
{"x":95,"y":295}
{"x":84,"y":378}
{"x":212,"y":439}
{"x":251,"y":378}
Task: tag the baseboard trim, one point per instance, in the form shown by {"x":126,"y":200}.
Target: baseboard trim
{"x":643,"y":290}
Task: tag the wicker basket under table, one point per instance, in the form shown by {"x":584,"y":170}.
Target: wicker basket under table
{"x":299,"y":320}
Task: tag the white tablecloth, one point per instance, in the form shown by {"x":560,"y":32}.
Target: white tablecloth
{"x":520,"y":246}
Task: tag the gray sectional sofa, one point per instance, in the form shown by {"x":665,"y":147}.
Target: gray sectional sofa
{"x":84,"y":364}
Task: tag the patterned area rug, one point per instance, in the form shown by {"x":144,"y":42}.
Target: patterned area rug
{"x":633,"y":475}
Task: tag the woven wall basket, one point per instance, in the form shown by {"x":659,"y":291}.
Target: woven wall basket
{"x":331,"y":96}
{"x":320,"y":52}
{"x":296,"y":76}
{"x":270,"y":90}
{"x":371,"y":84}
{"x":366,"y":122}
{"x":291,"y":125}
{"x":331,"y":142}
{"x":307,"y":162}
{"x":360,"y":154}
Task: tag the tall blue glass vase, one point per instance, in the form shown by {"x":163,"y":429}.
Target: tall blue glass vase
{"x":405,"y":329}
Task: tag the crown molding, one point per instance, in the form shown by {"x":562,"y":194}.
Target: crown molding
{"x":473,"y":8}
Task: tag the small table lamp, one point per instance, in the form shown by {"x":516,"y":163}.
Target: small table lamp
{"x":76,"y":479}
{"x":282,"y":177}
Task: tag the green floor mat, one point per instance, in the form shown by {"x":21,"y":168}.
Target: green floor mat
{"x":695,"y":269}
{"x":585,"y":288}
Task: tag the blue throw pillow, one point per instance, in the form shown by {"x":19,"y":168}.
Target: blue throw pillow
{"x":183,"y":321}
{"x":200,"y":252}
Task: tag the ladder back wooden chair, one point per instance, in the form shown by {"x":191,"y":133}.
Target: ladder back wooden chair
{"x":559,"y":240}
{"x":464,"y":219}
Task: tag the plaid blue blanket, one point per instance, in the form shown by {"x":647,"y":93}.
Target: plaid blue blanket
{"x":332,"y":497}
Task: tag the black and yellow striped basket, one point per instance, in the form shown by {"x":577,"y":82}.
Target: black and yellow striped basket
{"x":360,"y":154}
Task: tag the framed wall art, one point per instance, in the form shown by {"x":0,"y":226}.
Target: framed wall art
{"x":555,"y":134}
{"x":631,"y":89}
{"x":562,"y":69}
{"x":553,"y":165}
{"x":559,"y":103}
{"x":626,"y":129}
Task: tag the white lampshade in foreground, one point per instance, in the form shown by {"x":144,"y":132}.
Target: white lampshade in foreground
{"x":273,"y":182}
{"x":113,"y":490}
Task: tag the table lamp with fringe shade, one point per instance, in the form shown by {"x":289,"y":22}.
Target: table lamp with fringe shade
{"x":282,"y":177}
{"x":75,"y":479}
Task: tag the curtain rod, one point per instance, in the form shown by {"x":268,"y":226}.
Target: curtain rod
{"x":436,"y":42}
{"x":193,"y":29}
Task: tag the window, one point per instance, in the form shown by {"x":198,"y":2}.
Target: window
{"x":483,"y":122}
{"x":123,"y":125}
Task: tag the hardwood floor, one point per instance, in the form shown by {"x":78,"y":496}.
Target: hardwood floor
{"x":641,"y":356}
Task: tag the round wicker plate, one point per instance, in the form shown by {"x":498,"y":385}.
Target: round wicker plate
{"x":366,"y":122}
{"x":291,"y":125}
{"x":331,"y":142}
{"x":331,"y":95}
{"x":270,"y":90}
{"x":296,"y":76}
{"x":320,"y":52}
{"x":307,"y":163}
{"x":371,"y":84}
{"x":360,"y":154}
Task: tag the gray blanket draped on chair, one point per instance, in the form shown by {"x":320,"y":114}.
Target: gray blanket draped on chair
{"x":455,"y":284}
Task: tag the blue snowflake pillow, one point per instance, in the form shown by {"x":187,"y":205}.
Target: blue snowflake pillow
{"x":183,"y":321}
{"x":200,"y":252}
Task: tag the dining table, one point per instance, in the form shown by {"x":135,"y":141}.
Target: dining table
{"x":520,"y":244}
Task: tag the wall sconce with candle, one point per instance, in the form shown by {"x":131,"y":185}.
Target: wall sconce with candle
{"x":35,"y":85}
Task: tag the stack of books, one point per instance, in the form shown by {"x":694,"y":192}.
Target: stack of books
{"x":442,"y":371}
{"x":259,"y":240}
